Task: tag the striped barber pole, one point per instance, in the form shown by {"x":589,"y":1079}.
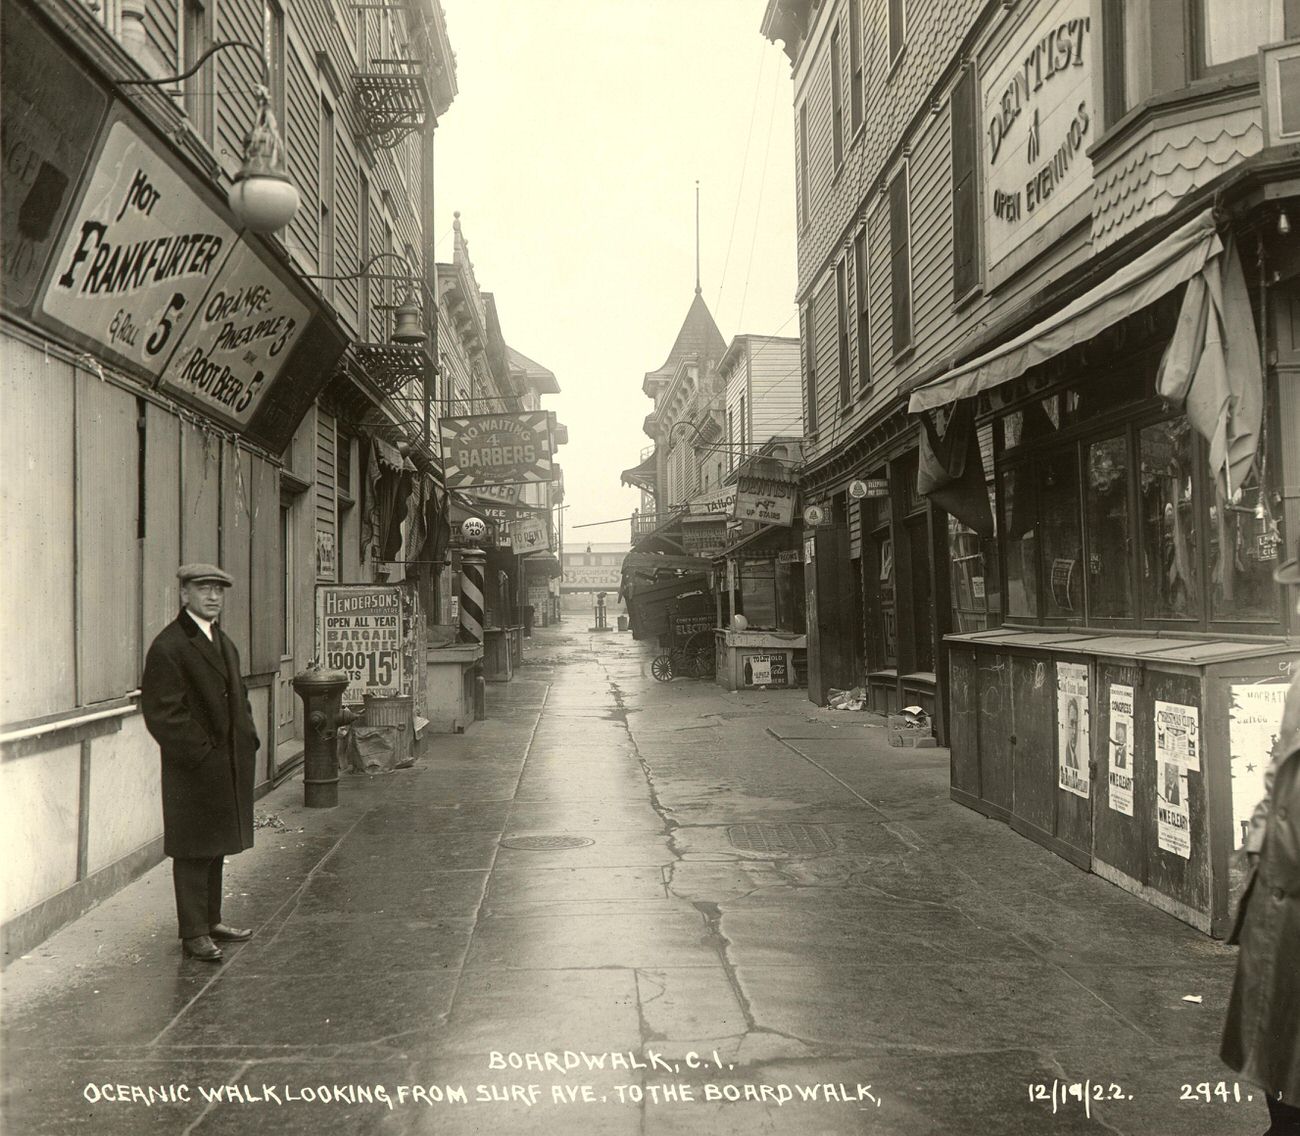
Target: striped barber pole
{"x":471,"y":592}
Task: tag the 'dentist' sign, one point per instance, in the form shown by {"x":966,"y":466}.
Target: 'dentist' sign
{"x":1037,"y":122}
{"x":138,"y":255}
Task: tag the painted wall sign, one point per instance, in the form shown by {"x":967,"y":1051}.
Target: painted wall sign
{"x":241,"y":337}
{"x":704,"y":538}
{"x":138,"y":256}
{"x":1120,"y":750}
{"x":1037,"y":122}
{"x":764,"y":501}
{"x":592,"y":577}
{"x":714,"y":502}
{"x":528,"y":534}
{"x":359,"y":632}
{"x":52,"y":112}
{"x":1254,"y":723}
{"x":765,"y":670}
{"x":1073,"y":773}
{"x":496,"y":449}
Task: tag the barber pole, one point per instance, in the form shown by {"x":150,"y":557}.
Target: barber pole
{"x":472,"y":559}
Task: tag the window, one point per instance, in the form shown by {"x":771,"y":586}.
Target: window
{"x":326,"y":230}
{"x":965,"y":222}
{"x":863,"y":312}
{"x":900,"y":261}
{"x":1106,"y":526}
{"x":196,"y":38}
{"x":1170,"y":566}
{"x":897,"y":29}
{"x":744,"y":427}
{"x":363,"y":225}
{"x":837,"y":102}
{"x":803,"y":202}
{"x":855,"y":64}
{"x":757,"y":598}
{"x":842,"y":321}
{"x":810,"y":367}
{"x":1233,"y":30}
{"x":273,"y":52}
{"x":733,"y":442}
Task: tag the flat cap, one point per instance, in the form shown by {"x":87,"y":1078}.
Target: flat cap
{"x":204,"y":574}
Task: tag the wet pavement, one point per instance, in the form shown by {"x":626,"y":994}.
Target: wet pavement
{"x":621,"y":906}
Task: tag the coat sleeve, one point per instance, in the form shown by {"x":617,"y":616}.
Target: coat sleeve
{"x":165,"y":704}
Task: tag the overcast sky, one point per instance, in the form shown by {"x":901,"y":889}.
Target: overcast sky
{"x":572,"y":152}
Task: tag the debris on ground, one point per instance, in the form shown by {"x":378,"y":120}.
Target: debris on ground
{"x":855,"y":699}
{"x":273,"y":822}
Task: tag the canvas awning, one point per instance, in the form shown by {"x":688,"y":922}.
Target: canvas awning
{"x":643,"y":476}
{"x":1174,"y":261}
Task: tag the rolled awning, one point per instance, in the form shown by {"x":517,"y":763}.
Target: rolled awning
{"x":1172,"y":262}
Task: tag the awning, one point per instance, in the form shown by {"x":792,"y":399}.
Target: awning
{"x":1172,"y":262}
{"x":643,"y":476}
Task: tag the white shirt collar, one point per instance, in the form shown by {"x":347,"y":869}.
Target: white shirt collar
{"x":205,"y":625}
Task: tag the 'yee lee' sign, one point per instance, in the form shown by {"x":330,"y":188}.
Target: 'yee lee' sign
{"x":1037,"y":122}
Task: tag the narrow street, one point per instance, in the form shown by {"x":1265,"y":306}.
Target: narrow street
{"x":731,"y":902}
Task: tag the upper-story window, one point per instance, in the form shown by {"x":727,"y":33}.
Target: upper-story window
{"x":842,"y":327}
{"x":900,"y":260}
{"x":1157,"y":46}
{"x":326,"y":170}
{"x":810,"y":365}
{"x":837,"y":102}
{"x":196,"y":38}
{"x":273,"y":53}
{"x":855,"y":64}
{"x":965,"y":217}
{"x":897,"y":29}
{"x":803,"y":202}
{"x":863,"y":311}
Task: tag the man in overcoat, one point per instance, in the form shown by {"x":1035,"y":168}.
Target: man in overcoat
{"x":196,"y":707}
{"x":1261,"y":1037}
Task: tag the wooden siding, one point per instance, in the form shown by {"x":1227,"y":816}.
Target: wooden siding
{"x":265,"y":587}
{"x":36,"y":512}
{"x":326,"y":504}
{"x":107,"y":571}
{"x":237,"y":74}
{"x":776,"y":393}
{"x":236,"y":535}
{"x":161,"y":548}
{"x":827,"y":347}
{"x":200,"y":494}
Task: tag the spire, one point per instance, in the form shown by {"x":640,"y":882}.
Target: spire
{"x":697,"y":236}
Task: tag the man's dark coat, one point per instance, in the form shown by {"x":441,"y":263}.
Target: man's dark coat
{"x":197,"y":709}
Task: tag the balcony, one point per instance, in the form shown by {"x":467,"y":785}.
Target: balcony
{"x":393,"y":98}
{"x":643,"y":524}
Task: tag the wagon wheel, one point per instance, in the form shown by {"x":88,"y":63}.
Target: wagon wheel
{"x":699,"y":647}
{"x":662,"y":668}
{"x":683,"y":662}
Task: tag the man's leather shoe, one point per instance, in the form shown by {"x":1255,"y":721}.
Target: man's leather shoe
{"x":223,"y":933}
{"x":201,"y":947}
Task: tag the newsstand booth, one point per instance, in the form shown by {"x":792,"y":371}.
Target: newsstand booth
{"x":1123,"y":713}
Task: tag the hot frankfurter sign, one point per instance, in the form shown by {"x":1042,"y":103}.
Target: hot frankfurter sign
{"x":496,"y":449}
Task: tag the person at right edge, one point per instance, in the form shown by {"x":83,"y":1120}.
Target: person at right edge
{"x":1261,"y":1035}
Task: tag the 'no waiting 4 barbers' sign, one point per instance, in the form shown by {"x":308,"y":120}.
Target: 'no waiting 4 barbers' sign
{"x":496,"y":449}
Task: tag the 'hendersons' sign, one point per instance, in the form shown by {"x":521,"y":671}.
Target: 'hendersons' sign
{"x":496,"y":449}
{"x":1037,"y":123}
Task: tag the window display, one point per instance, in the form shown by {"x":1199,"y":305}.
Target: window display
{"x":1169,"y":567}
{"x":1106,"y":497}
{"x":1245,"y":537}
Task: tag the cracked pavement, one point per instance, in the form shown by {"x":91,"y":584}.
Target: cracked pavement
{"x":890,"y":963}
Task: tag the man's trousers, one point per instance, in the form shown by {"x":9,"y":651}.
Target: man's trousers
{"x":198,"y":895}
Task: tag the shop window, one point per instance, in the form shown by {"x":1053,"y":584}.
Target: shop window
{"x":1106,"y":496}
{"x":1244,"y":541}
{"x":757,"y":600}
{"x":888,"y":605}
{"x":1058,"y":505}
{"x":1020,"y":546}
{"x":1169,"y":547}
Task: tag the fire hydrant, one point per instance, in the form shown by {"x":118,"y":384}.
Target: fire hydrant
{"x":321,"y":692}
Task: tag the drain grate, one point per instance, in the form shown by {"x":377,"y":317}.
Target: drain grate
{"x":544,"y":843}
{"x":806,"y":838}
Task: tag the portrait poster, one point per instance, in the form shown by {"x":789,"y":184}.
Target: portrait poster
{"x":1072,"y":749}
{"x":1120,"y":750}
{"x":1173,"y":827}
{"x":1254,"y":719}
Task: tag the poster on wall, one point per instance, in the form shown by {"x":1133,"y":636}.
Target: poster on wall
{"x":1073,"y":774}
{"x":1177,"y":750}
{"x":359,"y":632}
{"x":1254,"y":721}
{"x":1120,"y":749}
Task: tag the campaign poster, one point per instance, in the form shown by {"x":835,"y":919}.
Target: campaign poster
{"x":1073,"y":774}
{"x":1177,"y":750}
{"x":1254,"y":721}
{"x":1120,"y":749}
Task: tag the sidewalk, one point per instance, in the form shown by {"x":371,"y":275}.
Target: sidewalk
{"x":711,"y":895}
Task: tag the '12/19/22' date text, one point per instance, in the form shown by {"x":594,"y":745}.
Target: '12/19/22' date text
{"x":1061,"y":1093}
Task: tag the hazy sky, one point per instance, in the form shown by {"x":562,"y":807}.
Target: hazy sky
{"x":571,"y":153}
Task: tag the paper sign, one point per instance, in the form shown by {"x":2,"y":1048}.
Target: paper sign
{"x":1178,"y":735}
{"x":1073,"y":774}
{"x":1254,"y":722}
{"x":1120,"y":750}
